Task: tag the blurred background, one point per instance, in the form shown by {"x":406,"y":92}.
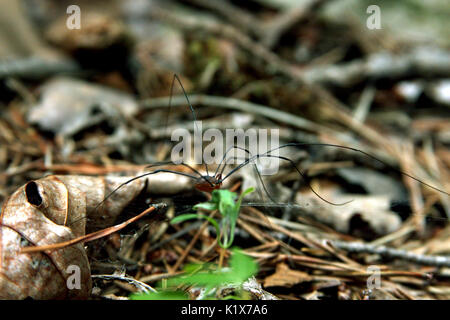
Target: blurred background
{"x":94,"y":100}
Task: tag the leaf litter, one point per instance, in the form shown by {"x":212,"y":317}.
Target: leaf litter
{"x":317,"y":250}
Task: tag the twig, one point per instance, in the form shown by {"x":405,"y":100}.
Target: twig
{"x":36,"y":68}
{"x":233,"y":14}
{"x":138,"y":284}
{"x":438,"y":261}
{"x":94,"y":235}
{"x":191,"y":244}
{"x":294,"y":235}
{"x":365,"y":101}
{"x":176,"y":235}
{"x":268,"y":32}
{"x":422,"y":60}
{"x":161,"y":276}
{"x":338,"y":266}
{"x":271,"y":31}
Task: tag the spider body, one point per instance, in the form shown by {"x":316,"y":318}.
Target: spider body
{"x":210,"y":183}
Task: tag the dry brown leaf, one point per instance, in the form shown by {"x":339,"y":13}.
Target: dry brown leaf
{"x":58,"y":111}
{"x":373,"y":210}
{"x":48,"y":211}
{"x":285,"y":277}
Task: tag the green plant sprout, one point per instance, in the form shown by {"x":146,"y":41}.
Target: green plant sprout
{"x":225,"y":202}
{"x":207,"y":277}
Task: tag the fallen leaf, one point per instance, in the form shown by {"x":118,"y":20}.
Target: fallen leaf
{"x":285,"y":277}
{"x":68,"y":105}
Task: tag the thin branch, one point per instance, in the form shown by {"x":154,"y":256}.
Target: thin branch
{"x":438,"y":261}
{"x":138,"y":284}
{"x":422,"y":60}
{"x":241,"y":105}
{"x":94,"y":235}
{"x":36,"y":68}
{"x":268,"y":32}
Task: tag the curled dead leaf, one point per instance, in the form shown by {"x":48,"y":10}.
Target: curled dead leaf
{"x":373,"y":211}
{"x":58,"y":111}
{"x":48,"y":211}
{"x":286,"y":277}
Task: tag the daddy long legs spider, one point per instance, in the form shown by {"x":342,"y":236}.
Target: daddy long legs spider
{"x":210,"y":182}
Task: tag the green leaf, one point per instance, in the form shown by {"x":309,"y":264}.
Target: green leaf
{"x":184,"y":217}
{"x":243,"y":194}
{"x":223,"y":195}
{"x":226,"y":203}
{"x":207,"y":279}
{"x":196,"y":267}
{"x":243,"y":266}
{"x":162,"y":295}
{"x":209,"y":206}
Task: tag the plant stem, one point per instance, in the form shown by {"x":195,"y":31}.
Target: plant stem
{"x":222,"y":254}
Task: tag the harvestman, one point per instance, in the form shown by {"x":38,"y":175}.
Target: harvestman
{"x":208,"y":183}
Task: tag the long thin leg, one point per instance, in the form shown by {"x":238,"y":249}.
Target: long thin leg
{"x":194,"y":115}
{"x":306,"y":180}
{"x":144,"y":175}
{"x":225,"y":163}
{"x":364,"y":153}
{"x":225,"y":155}
{"x":257,"y":173}
{"x":133,"y":179}
{"x":163,"y":163}
{"x":264,"y":155}
{"x":254,"y":165}
{"x":337,"y":146}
